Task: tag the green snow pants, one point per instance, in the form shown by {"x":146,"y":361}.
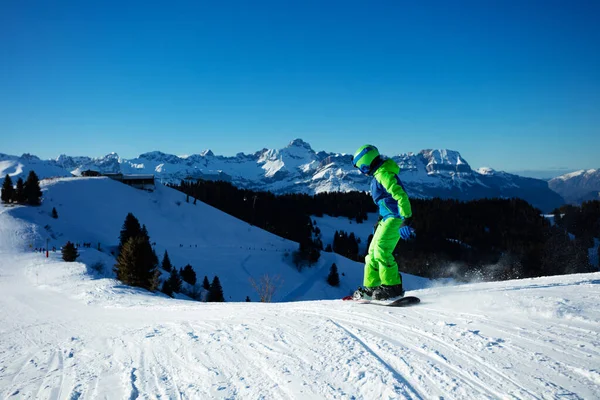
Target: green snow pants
{"x":380,"y":265}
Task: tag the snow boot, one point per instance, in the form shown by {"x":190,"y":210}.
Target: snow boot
{"x":363,"y":293}
{"x":385,"y":292}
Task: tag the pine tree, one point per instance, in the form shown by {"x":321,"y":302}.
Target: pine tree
{"x":215,"y":293}
{"x":336,"y":241}
{"x":131,"y":228}
{"x":155,"y":279}
{"x":313,"y":255}
{"x":174,"y":281}
{"x":145,"y":232}
{"x":333,"y":278}
{"x":31,"y":189}
{"x":146,"y":236}
{"x":8,"y":192}
{"x":205,"y":283}
{"x":166,"y":262}
{"x":69,"y":252}
{"x":136,"y":265}
{"x":54,"y":213}
{"x":352,"y":245}
{"x":248,"y":299}
{"x":154,"y":257}
{"x":188,"y":274}
{"x":20,"y":192}
{"x":167,"y":289}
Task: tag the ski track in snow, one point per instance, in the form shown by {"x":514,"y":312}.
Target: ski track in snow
{"x":457,"y":344}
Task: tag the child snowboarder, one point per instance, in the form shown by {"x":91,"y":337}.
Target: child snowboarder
{"x":382,"y":281}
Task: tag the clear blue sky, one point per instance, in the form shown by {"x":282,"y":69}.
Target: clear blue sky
{"x":511,"y":84}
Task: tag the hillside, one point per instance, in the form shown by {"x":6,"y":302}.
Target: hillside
{"x":92,"y":210}
{"x":66,"y":334}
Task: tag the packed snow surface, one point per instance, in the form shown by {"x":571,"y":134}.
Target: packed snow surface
{"x":66,"y":333}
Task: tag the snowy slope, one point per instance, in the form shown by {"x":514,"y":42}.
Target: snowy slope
{"x":67,"y":335}
{"x":93,"y":210}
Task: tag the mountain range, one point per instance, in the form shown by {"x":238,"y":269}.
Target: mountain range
{"x":298,"y":168}
{"x":578,"y":186}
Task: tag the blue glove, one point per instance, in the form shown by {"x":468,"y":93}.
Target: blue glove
{"x":406,"y":232}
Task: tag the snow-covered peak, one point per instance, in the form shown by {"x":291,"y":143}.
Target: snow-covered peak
{"x":109,"y":157}
{"x":486,"y":171}
{"x":20,"y":167}
{"x":577,"y":186}
{"x":577,"y":174}
{"x":207,"y":153}
{"x":159,"y":156}
{"x":62,"y":158}
{"x":443,"y":156}
{"x":299,"y":151}
{"x":71,"y":163}
{"x":301,"y":144}
{"x":110,"y":163}
{"x":442,"y":160}
{"x":29,"y":157}
{"x":296,"y":158}
{"x":153,"y":155}
{"x":7,"y":157}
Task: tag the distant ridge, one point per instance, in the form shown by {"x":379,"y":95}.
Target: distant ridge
{"x":297,"y":168}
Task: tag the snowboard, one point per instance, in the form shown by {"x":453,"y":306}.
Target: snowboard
{"x":401,"y":302}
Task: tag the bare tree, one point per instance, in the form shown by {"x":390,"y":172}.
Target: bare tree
{"x":266,"y":287}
